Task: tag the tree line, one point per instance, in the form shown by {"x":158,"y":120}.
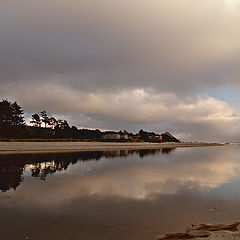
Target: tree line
{"x":13,"y":125}
{"x":11,"y":118}
{"x":48,"y":121}
{"x":43,"y":125}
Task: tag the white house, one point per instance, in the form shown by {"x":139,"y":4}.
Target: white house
{"x":111,"y":135}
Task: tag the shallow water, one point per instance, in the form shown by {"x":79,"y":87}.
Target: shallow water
{"x":117,"y":194}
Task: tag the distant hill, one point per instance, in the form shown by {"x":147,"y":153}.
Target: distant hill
{"x":168,"y":137}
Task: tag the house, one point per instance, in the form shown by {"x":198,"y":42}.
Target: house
{"x":158,"y":138}
{"x":124,"y":135}
{"x":111,"y":135}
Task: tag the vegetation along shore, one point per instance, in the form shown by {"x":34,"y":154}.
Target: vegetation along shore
{"x":45,"y":127}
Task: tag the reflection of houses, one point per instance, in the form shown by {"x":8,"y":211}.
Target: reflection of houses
{"x":111,"y":135}
{"x":116,"y":153}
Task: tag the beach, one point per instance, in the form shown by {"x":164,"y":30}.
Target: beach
{"x":133,"y":194}
{"x":58,"y":147}
{"x":210,"y":232}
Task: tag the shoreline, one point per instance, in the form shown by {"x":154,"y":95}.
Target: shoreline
{"x":207,"y":231}
{"x":65,"y":147}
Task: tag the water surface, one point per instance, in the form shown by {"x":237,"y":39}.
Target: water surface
{"x":117,"y":194}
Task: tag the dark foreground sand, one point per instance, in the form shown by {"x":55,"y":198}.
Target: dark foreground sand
{"x":208,"y":232}
{"x":53,"y":147}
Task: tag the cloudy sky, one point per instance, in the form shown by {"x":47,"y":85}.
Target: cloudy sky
{"x":130,"y":64}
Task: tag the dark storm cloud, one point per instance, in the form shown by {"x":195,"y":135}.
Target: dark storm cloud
{"x":119,"y":45}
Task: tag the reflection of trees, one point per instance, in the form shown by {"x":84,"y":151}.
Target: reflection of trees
{"x":167,"y":150}
{"x":43,"y":169}
{"x":41,"y":165}
{"x":146,"y":152}
{"x":10,"y":176}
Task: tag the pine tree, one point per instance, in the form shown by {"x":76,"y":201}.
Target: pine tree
{"x":36,"y":120}
{"x":45,"y":118}
{"x":17,"y":118}
{"x":11,"y":114}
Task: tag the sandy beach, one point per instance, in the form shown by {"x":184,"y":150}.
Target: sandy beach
{"x":54,"y":147}
{"x":210,"y":232}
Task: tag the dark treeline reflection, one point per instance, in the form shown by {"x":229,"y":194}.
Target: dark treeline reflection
{"x":41,"y":165}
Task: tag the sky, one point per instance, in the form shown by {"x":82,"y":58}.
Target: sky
{"x":164,"y":65}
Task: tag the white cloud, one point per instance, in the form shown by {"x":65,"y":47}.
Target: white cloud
{"x":200,"y":117}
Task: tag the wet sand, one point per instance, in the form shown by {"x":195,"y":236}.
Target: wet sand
{"x":58,"y":147}
{"x":210,"y":232}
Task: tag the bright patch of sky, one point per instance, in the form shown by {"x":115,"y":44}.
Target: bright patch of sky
{"x":229,"y":94}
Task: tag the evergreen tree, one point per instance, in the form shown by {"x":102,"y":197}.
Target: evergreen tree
{"x":6,"y":114}
{"x":45,"y":118}
{"x":53,"y":122}
{"x":36,"y":120}
{"x":18,"y":119}
{"x":11,"y":114}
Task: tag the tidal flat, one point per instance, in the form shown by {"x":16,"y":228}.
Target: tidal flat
{"x":118,"y":194}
